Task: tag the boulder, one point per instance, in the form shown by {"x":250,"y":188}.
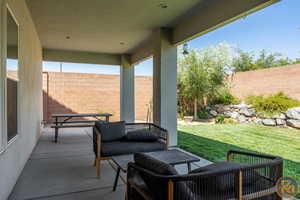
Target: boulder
{"x":213,"y":113}
{"x":241,"y":118}
{"x":293,"y":113}
{"x":257,"y":120}
{"x":279,"y":116}
{"x":235,"y":115}
{"x":241,"y":105}
{"x":227,"y":114}
{"x":269,"y":122}
{"x":280,"y":122}
{"x":247,"y":112}
{"x":293,"y":123}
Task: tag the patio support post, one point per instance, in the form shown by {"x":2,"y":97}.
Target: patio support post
{"x":127,"y":90}
{"x":165,"y":83}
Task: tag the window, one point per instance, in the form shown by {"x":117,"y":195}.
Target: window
{"x":12,"y":79}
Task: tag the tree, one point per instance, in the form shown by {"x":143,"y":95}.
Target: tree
{"x":201,"y":73}
{"x":297,"y":61}
{"x":243,"y":61}
{"x":266,"y":60}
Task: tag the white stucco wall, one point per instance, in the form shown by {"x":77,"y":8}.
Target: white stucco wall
{"x":14,"y":157}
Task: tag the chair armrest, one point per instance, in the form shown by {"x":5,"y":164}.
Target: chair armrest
{"x":96,"y":141}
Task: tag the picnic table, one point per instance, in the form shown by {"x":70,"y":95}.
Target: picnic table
{"x":67,"y":121}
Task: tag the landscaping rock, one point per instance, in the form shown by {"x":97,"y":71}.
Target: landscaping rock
{"x":227,"y":114}
{"x":280,"y":116}
{"x":235,"y":115}
{"x":293,"y":113}
{"x":241,"y":118}
{"x":269,"y":122}
{"x":247,"y":112}
{"x":293,"y":123}
{"x":280,"y":122}
{"x":257,"y":121}
{"x":213,"y":113}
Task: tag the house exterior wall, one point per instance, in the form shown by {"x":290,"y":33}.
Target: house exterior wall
{"x":90,"y":93}
{"x":267,"y":81}
{"x":14,"y":156}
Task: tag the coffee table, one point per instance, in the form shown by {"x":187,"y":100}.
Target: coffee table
{"x":172,"y":157}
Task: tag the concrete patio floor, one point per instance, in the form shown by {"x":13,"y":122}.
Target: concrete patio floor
{"x":65,"y":170}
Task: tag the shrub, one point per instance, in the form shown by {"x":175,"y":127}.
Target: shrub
{"x":230,"y":121}
{"x":203,"y":113}
{"x":220,"y":119}
{"x":272,"y":104}
{"x":223,"y":96}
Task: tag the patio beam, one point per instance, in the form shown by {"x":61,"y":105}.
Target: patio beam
{"x":81,"y":57}
{"x":165,"y":83}
{"x":127,"y":107}
{"x":215,"y":14}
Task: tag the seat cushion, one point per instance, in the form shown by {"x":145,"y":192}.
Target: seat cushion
{"x":129,"y":147}
{"x":141,"y":135}
{"x":111,"y":131}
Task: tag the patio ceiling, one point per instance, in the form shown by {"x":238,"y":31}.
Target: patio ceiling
{"x":127,"y":27}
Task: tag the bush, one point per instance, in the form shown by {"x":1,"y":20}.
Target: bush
{"x":220,"y":119}
{"x":203,"y":113}
{"x":223,"y":96}
{"x":272,"y":104}
{"x":230,"y":121}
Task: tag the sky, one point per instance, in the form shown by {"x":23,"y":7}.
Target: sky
{"x":275,"y":28}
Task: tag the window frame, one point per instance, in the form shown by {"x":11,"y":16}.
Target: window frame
{"x":4,"y":143}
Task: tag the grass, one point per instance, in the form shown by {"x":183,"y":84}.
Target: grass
{"x":213,"y":141}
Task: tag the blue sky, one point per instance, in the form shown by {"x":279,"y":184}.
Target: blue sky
{"x":276,"y":29}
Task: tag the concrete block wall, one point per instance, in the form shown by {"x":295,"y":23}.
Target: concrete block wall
{"x":284,"y":79}
{"x":90,"y":93}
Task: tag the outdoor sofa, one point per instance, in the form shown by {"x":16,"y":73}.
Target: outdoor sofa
{"x":120,"y":138}
{"x":244,"y":176}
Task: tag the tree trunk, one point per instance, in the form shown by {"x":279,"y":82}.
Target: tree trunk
{"x":195,"y":109}
{"x":205,"y":101}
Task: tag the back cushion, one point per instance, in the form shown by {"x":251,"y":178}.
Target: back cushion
{"x":111,"y":131}
{"x":158,"y":187}
{"x":154,"y":165}
{"x":141,"y":136}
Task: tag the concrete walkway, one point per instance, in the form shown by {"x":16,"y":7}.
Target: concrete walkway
{"x":65,"y":170}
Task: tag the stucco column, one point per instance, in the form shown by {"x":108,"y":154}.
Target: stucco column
{"x":165,"y":84}
{"x":127,"y":90}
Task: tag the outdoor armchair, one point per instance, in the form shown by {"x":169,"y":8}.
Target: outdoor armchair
{"x":123,"y":144}
{"x":255,"y":178}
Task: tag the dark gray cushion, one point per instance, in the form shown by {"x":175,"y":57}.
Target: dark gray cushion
{"x":158,"y":187}
{"x":111,"y":131}
{"x":127,"y":147}
{"x":154,"y":165}
{"x":141,"y":135}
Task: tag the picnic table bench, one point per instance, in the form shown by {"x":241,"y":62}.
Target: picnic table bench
{"x":66,"y":121}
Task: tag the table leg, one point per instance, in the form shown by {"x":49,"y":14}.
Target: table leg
{"x":116,"y":179}
{"x":56,"y":129}
{"x":56,"y":134}
{"x":189,"y":167}
{"x":107,"y":118}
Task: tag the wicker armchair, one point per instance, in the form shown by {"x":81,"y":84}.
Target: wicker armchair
{"x":104,"y":150}
{"x":255,"y":179}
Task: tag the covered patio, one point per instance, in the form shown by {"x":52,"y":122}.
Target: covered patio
{"x":65,"y":170}
{"x":94,"y":32}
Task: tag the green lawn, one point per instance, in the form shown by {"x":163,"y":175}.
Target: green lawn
{"x":213,"y":141}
